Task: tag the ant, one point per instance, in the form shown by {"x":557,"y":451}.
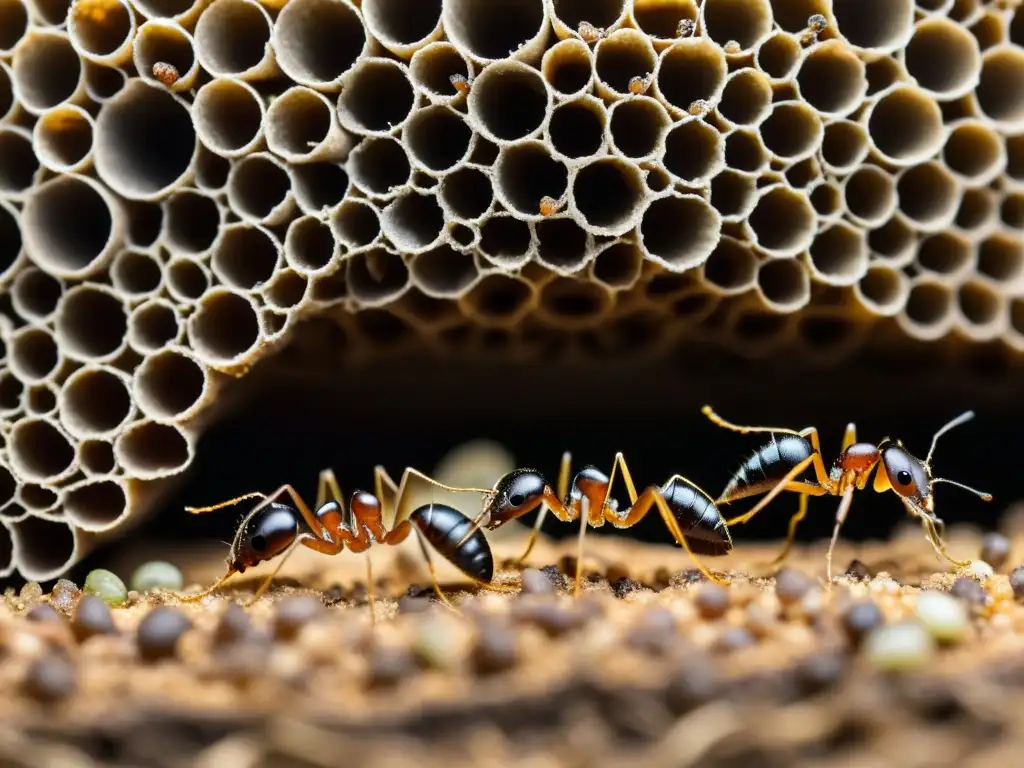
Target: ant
{"x":273,"y":528}
{"x":460,"y":83}
{"x":816,"y":24}
{"x":639,"y":85}
{"x":549,"y":206}
{"x":778,"y":465}
{"x":589,"y":33}
{"x":689,"y":513}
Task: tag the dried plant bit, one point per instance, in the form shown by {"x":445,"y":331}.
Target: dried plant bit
{"x":166,"y":73}
{"x":699,"y":107}
{"x":639,"y":85}
{"x":686,"y":28}
{"x":732,"y":47}
{"x":461,"y":83}
{"x":549,"y":206}
{"x":590,"y":33}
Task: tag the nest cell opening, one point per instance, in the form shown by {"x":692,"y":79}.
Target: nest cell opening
{"x":318,"y":186}
{"x":467,"y":193}
{"x":444,"y":272}
{"x":125,"y":131}
{"x":91,"y":323}
{"x":576,"y":128}
{"x":187,"y":280}
{"x":432,"y":67}
{"x":95,"y":400}
{"x":47,"y":72}
{"x":621,"y":57}
{"x":169,"y":383}
{"x":694,"y":151}
{"x":258,"y":185}
{"x":681,"y":231}
{"x":153,"y":326}
{"x":377,"y":97}
{"x":70,"y":223}
{"x":317,"y":41}
{"x":492,"y":29}
{"x":783,"y":220}
{"x":18,"y":161}
{"x":244,"y":256}
{"x":438,"y":138}
{"x":503,"y":238}
{"x":39,"y":451}
{"x":379,"y":164}
{"x":228,"y":116}
{"x":225,"y":327}
{"x":608,"y":194}
{"x":509,"y":102}
{"x":35,"y":293}
{"x":192,"y":221}
{"x":526,"y":173}
{"x":309,"y":244}
{"x":376,"y":275}
{"x":561,"y":243}
{"x":233,"y":36}
{"x":96,"y":505}
{"x":638,"y":126}
{"x":412,"y":221}
{"x":567,"y":67}
{"x":691,"y":70}
{"x":135,"y":273}
{"x":149,"y":448}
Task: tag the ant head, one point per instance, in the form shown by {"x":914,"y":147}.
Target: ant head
{"x":906,"y":474}
{"x":515,"y":494}
{"x":265,"y":533}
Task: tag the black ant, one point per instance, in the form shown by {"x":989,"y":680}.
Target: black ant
{"x":778,"y":466}
{"x":690,"y":515}
{"x":272,"y":528}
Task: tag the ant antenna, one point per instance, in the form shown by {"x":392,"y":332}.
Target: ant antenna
{"x":962,"y":418}
{"x":980,"y":494}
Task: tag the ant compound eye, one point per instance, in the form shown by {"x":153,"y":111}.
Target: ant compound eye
{"x":269,"y":532}
{"x":516,"y":499}
{"x":259,"y":543}
{"x":903,"y":477}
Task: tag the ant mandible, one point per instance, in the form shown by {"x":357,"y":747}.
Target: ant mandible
{"x":777,"y":466}
{"x":690,"y":515}
{"x":273,"y":529}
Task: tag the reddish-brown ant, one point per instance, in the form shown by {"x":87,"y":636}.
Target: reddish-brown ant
{"x":778,"y":466}
{"x":460,"y":83}
{"x":687,"y":511}
{"x":816,"y":24}
{"x":639,"y":85}
{"x":273,"y":529}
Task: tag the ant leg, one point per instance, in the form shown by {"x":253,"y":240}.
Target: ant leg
{"x":673,"y":525}
{"x":932,"y":534}
{"x":369,"y":588}
{"x":308,"y":540}
{"x":794,"y":521}
{"x":430,"y":567}
{"x":844,"y":508}
{"x":209,"y":591}
{"x":563,"y":491}
{"x":719,"y":421}
{"x":849,"y":437}
{"x":228,"y":503}
{"x":781,"y":486}
{"x":641,"y":506}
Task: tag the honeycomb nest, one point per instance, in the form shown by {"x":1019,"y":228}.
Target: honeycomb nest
{"x":182,"y":183}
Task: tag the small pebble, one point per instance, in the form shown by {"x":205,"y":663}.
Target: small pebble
{"x":409,"y":604}
{"x":535,"y":582}
{"x":390,"y":666}
{"x":44,"y":613}
{"x":791,"y":585}
{"x":293,"y":613}
{"x":735,"y":639}
{"x":556,"y":620}
{"x":857,"y":570}
{"x":712,"y":600}
{"x":556,"y":576}
{"x":92,"y":617}
{"x":760,"y":620}
{"x":995,"y":549}
{"x":233,"y":626}
{"x":969,"y":590}
{"x":51,"y":679}
{"x":64,"y":595}
{"x":860,"y":619}
{"x":244,"y":662}
{"x":693,"y":684}
{"x":31,"y":592}
{"x":820,"y":671}
{"x":624,"y":587}
{"x":496,"y":649}
{"x":158,"y":634}
{"x":157,"y":575}
{"x":903,"y":646}
{"x":980,"y":570}
{"x":1017,"y":583}
{"x":106,"y":586}
{"x":434,"y":646}
{"x":942,"y":615}
{"x":655,"y":631}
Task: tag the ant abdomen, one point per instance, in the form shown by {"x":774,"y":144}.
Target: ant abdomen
{"x":767,"y":466}
{"x":445,"y":528}
{"x":699,"y":519}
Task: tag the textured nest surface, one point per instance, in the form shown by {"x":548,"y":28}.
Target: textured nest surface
{"x":650,"y":663}
{"x":182,"y":184}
